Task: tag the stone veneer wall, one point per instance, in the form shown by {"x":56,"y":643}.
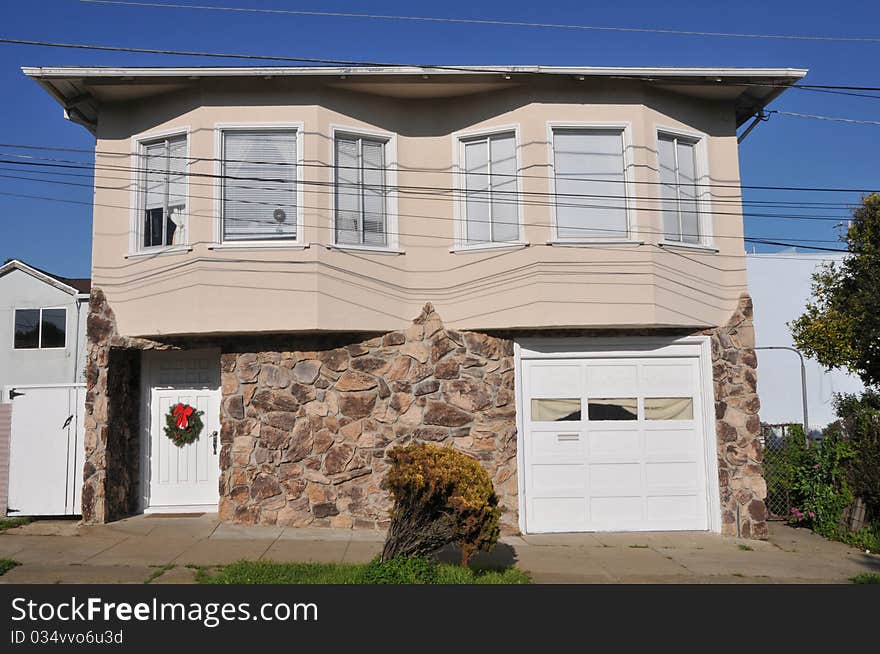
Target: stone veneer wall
{"x":304,"y":433}
{"x":111,"y":472}
{"x":737,"y":425}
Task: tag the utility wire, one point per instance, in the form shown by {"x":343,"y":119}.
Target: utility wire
{"x":494,"y":22}
{"x":498,"y":70}
{"x":830,"y":118}
{"x":736,"y":201}
{"x":436,"y":194}
{"x":640,"y":230}
{"x":191,"y":159}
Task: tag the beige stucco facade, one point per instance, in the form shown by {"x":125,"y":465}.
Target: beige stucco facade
{"x":209,"y":288}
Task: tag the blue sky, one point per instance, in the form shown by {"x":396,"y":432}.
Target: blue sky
{"x":785,"y":151}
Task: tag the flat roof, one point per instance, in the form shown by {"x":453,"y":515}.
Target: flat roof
{"x":82,"y":89}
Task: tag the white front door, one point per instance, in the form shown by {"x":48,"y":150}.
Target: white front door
{"x":614,"y":444}
{"x":183,"y":478}
{"x":186,"y":476}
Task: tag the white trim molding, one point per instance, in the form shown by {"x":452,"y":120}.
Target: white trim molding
{"x":298,"y":127}
{"x":392,"y":237}
{"x":626,"y":132}
{"x":700,"y":141}
{"x":459,"y":183}
{"x":137,"y":143}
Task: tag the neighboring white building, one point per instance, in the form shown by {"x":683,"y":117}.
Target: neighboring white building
{"x":780,"y":286}
{"x":42,"y":361}
{"x":42,"y":326}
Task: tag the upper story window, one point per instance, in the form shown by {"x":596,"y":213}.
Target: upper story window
{"x":361,"y":191}
{"x":40,"y":329}
{"x":162,"y":192}
{"x":259,"y":179}
{"x":590,"y":176}
{"x":678,"y":178}
{"x":490,"y":189}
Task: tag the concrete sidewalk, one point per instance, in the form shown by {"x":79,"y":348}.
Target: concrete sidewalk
{"x":159,"y":549}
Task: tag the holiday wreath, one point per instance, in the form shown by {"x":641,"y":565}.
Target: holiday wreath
{"x":183,"y":424}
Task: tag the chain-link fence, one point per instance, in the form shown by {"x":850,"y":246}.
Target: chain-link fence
{"x":779,"y":467}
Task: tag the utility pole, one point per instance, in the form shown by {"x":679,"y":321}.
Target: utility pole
{"x":803,"y":381}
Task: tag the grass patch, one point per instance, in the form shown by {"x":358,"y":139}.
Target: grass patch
{"x":159,"y":571}
{"x":746,"y":548}
{"x":397,"y":571}
{"x":6,"y":565}
{"x":12,"y":523}
{"x":638,"y":547}
{"x":866,"y":578}
{"x":737,"y":574}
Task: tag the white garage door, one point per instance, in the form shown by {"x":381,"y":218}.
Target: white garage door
{"x":614,"y":445}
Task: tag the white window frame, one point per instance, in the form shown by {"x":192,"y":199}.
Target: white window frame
{"x":459,"y":180}
{"x":625,"y":129}
{"x":703,"y":190}
{"x":135,"y":247}
{"x":295,"y":244}
{"x":39,"y":328}
{"x":392,"y":240}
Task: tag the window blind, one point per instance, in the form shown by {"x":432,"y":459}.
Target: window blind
{"x":590,"y":174}
{"x":259,"y":185}
{"x":678,"y":177}
{"x":360,"y":191}
{"x":491,"y":202}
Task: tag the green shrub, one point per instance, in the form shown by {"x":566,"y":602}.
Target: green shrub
{"x":441,"y":496}
{"x":781,"y":464}
{"x":819,"y":489}
{"x":860,"y":424}
{"x":867,"y":538}
{"x":866,"y":578}
{"x":6,"y":565}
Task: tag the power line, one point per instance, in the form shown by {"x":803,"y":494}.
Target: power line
{"x":507,"y":71}
{"x":436,"y":194}
{"x":639,"y":230}
{"x":830,"y":118}
{"x":715,"y":200}
{"x":191,"y":159}
{"x":494,"y":22}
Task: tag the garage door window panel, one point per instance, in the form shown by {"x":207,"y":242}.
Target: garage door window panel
{"x":556,"y":410}
{"x":669,"y":408}
{"x":613,"y":409}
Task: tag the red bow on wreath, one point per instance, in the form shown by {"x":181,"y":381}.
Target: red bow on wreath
{"x":181,"y":413}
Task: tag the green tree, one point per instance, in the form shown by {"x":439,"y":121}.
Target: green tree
{"x":841,"y":325}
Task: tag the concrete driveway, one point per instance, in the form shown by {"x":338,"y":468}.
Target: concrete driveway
{"x":159,"y":549}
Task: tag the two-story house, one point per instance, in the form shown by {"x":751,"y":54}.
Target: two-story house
{"x":542,"y":267}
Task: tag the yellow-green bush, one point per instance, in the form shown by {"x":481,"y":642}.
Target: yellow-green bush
{"x":441,"y":496}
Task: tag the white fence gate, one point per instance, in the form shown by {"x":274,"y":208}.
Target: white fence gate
{"x":46,"y":449}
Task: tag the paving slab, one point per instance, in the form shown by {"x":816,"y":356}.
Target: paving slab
{"x":182,"y":527}
{"x":55,"y":549}
{"x":146,"y":550}
{"x":361,"y":552}
{"x":306,"y":551}
{"x":59,"y":573}
{"x":219,"y":551}
{"x":177,"y":575}
{"x":316,"y":534}
{"x":247,"y":532}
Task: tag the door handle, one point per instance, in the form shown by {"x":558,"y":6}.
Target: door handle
{"x":14,"y":393}
{"x":67,"y":422}
{"x":214,"y":440}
